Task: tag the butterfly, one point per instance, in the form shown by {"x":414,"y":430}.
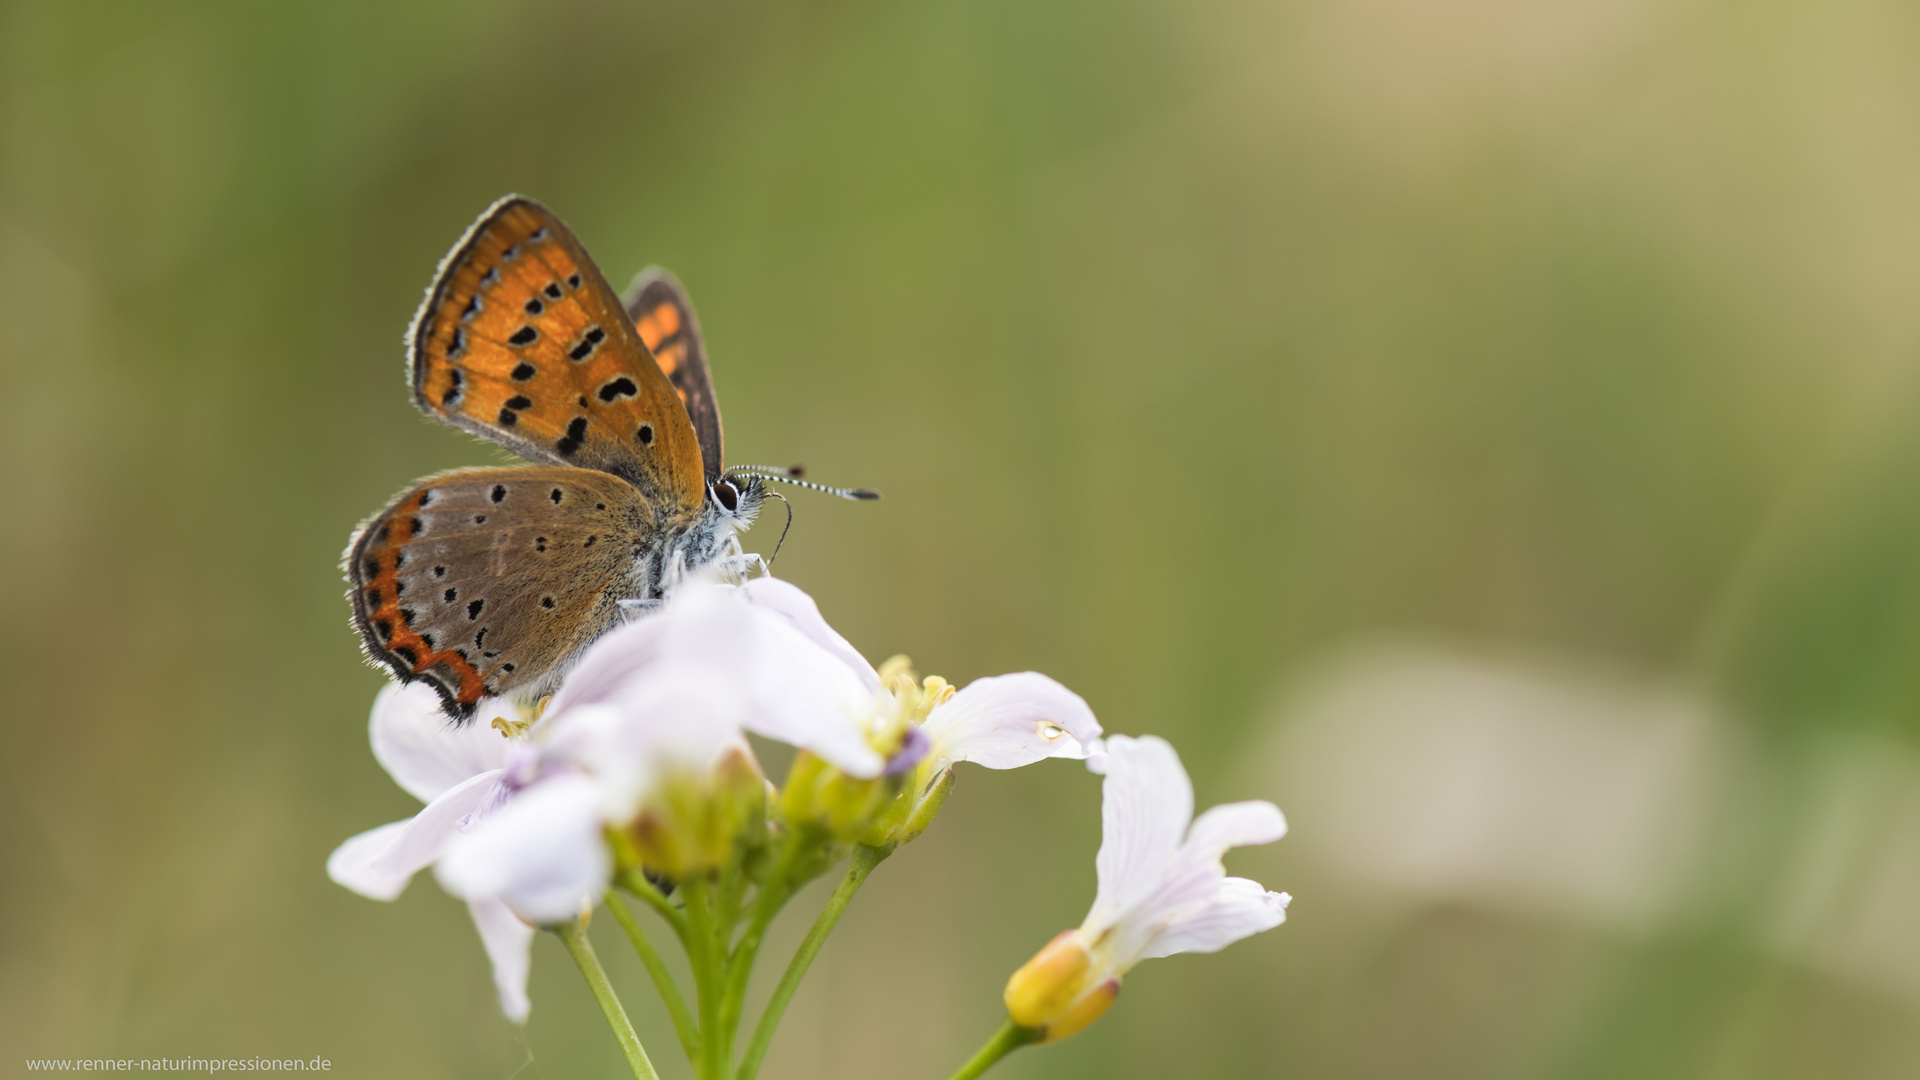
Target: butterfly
{"x":491,"y":581}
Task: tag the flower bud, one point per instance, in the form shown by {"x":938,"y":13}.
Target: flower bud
{"x":819,"y":797}
{"x":909,"y":814}
{"x":1058,"y":992}
{"x":693,"y":823}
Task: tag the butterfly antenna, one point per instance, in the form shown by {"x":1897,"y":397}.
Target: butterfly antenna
{"x":783,"y":528}
{"x":791,"y":475}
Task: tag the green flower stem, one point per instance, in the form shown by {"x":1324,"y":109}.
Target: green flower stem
{"x":706,"y":952}
{"x":636,"y":883}
{"x":575,"y":939}
{"x":740,"y":964}
{"x":683,"y":1023}
{"x":864,"y":860}
{"x":1009,"y":1038}
{"x":774,"y":893}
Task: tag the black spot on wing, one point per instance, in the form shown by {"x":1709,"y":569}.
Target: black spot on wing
{"x":618,"y":388}
{"x":588,"y":342}
{"x":576,"y":434}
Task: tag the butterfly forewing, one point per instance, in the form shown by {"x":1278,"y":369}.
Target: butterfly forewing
{"x":485,"y":581}
{"x":522,"y":340}
{"x":664,"y":316}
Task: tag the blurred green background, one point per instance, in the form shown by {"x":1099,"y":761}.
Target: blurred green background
{"x":1222,"y":359}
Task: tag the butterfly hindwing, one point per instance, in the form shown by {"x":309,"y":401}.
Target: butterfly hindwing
{"x":486,"y":581}
{"x":521,"y":340}
{"x":664,"y":316}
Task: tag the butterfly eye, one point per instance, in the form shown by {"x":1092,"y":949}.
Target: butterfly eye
{"x":728,"y":495}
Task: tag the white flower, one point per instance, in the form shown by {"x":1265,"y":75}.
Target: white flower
{"x":673,"y":694}
{"x":461,"y":774}
{"x":1162,"y":889}
{"x":1003,"y":722}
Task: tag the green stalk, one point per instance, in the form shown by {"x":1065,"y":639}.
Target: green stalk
{"x":683,"y":1023}
{"x":575,"y":939}
{"x":774,"y":893}
{"x":636,"y":883}
{"x":1009,"y":1038}
{"x":706,"y":951}
{"x":864,"y":860}
{"x":740,"y":964}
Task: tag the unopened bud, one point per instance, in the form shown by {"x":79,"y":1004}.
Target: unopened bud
{"x":694,"y":822}
{"x":820,"y":797}
{"x":1058,"y":992}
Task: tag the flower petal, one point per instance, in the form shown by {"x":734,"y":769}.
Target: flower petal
{"x":1232,"y":825}
{"x":379,"y":863}
{"x":610,"y":661}
{"x":1240,"y":908}
{"x":422,"y":749}
{"x":353,"y":863}
{"x":509,"y":943}
{"x":542,"y":853}
{"x":1146,"y":804}
{"x":788,"y":601}
{"x":732,"y":664}
{"x":1008,"y":721}
{"x":807,"y":696}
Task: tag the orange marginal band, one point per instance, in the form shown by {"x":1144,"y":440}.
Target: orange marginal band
{"x":385,"y":613}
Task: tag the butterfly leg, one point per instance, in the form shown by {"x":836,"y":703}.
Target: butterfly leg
{"x":634,"y":609}
{"x":741,"y":566}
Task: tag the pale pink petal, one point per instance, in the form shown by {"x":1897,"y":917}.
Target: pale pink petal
{"x":379,"y":863}
{"x":1008,"y":721}
{"x":787,"y":600}
{"x":714,"y":657}
{"x":1195,"y":873}
{"x":509,"y":943}
{"x":420,"y":747}
{"x":542,"y":853}
{"x":612,"y":660}
{"x":1232,"y":825}
{"x":1146,"y":804}
{"x":805,"y":696}
{"x":353,"y":863}
{"x":1239,"y":908}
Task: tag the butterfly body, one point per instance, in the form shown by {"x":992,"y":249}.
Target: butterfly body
{"x":484,"y":582}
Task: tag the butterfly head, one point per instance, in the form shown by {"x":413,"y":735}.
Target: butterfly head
{"x":737,"y":498}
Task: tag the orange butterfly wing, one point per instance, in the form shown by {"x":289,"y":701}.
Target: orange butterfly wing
{"x":522,"y":341}
{"x":660,"y":310}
